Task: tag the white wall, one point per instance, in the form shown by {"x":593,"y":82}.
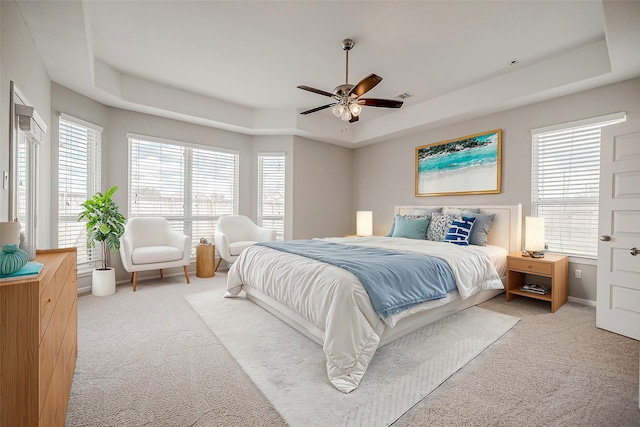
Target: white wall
{"x":384,"y":174}
{"x":21,"y":64}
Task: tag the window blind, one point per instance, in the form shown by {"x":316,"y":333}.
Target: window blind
{"x":189,"y":186}
{"x":566,"y":183}
{"x":271,"y":192}
{"x":157,"y":177}
{"x":78,"y":180}
{"x":214,"y":190}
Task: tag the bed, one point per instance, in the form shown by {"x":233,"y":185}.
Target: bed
{"x":331,"y":306}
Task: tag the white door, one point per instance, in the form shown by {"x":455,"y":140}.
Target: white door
{"x":618,"y":286}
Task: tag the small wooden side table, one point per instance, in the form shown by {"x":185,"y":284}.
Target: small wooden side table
{"x":556,"y":267}
{"x":205,"y":260}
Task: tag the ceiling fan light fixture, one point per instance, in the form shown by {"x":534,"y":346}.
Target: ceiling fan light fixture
{"x":349,"y":102}
{"x":355,"y":109}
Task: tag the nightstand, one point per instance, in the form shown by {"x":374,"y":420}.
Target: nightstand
{"x":555,"y":267}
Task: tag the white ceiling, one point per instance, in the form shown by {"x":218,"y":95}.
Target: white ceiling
{"x":235,"y":64}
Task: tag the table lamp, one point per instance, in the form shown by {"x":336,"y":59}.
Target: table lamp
{"x":364,"y":223}
{"x":534,"y":236}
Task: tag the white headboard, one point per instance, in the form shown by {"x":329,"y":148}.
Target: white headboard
{"x":506,"y":229}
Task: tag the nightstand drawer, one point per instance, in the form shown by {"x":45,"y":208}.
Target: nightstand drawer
{"x":526,"y":266}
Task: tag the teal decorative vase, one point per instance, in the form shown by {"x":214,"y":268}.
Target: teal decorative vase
{"x":12,"y":259}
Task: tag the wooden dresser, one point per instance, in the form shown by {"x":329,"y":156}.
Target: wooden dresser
{"x":38,"y":342}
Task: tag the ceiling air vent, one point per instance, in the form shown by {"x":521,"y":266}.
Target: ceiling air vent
{"x":405,"y":95}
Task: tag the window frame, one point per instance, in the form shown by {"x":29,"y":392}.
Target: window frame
{"x":93,"y":184}
{"x":187,"y":217}
{"x":570,"y":203}
{"x":260,"y":193}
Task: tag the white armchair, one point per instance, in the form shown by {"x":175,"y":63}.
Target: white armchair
{"x":234,"y":233}
{"x":151,"y":244}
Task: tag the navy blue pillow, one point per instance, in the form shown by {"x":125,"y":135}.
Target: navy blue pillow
{"x":460,"y":231}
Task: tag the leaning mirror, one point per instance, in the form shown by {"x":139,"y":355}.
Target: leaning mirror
{"x":26,"y":134}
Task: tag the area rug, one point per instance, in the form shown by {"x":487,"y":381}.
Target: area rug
{"x":289,"y":368}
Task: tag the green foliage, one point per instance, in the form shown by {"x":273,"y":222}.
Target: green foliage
{"x":105,"y":224}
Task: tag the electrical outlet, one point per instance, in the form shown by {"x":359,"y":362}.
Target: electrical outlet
{"x":578,"y":274}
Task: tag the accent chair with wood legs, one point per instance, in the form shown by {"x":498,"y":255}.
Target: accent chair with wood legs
{"x":149,"y":243}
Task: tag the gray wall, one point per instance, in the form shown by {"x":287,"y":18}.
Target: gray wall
{"x":322,"y":190}
{"x":327,"y":183}
{"x":317,"y":172}
{"x":21,"y":63}
{"x":384,"y":174}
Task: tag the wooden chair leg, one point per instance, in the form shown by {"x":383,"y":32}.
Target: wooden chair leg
{"x":186,"y":273}
{"x":217,"y":264}
{"x":161,"y":273}
{"x":134,"y":279}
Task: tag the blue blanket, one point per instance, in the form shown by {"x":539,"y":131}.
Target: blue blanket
{"x":394,"y":280}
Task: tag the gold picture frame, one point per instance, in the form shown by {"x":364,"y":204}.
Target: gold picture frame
{"x":467,"y":165}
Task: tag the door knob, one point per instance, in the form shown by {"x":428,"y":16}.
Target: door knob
{"x":634,"y":251}
{"x":605,"y":238}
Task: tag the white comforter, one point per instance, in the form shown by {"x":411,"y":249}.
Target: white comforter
{"x":335,"y":301}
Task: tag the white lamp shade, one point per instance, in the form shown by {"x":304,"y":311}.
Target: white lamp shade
{"x":9,"y":233}
{"x":534,"y":233}
{"x":364,"y":223}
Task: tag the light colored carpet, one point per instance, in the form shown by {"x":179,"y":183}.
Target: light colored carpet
{"x":290,"y":369}
{"x":148,"y":359}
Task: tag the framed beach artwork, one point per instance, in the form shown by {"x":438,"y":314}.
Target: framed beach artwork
{"x":467,"y":165}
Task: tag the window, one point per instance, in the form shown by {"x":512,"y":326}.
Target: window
{"x":78,"y":180}
{"x":565,"y":183}
{"x":271,"y":192}
{"x":190,"y":186}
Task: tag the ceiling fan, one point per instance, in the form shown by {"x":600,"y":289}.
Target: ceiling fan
{"x":348,"y":103}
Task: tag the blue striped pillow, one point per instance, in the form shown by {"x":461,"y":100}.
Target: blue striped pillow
{"x":460,"y":231}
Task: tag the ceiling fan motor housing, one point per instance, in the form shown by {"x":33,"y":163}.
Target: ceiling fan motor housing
{"x":342,"y":90}
{"x":347,"y":44}
{"x":348,"y":96}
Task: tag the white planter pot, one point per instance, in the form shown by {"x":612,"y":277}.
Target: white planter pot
{"x":103,"y":282}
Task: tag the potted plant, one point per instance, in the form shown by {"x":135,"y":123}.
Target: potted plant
{"x":105,"y":224}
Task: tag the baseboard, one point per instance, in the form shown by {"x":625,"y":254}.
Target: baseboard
{"x":87,"y":288}
{"x":583,"y":301}
{"x":84,"y":290}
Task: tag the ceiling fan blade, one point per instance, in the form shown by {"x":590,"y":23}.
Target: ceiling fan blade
{"x":313,"y":110}
{"x":314,"y":90}
{"x":354,"y":119}
{"x":386,"y":103}
{"x":365,"y":85}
